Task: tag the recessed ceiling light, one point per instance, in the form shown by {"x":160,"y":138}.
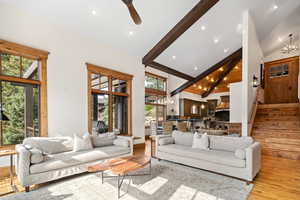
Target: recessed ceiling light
{"x":216,"y":40}
{"x":280,"y":39}
{"x":194,"y":85}
{"x":205,"y":89}
{"x":221,"y":69}
{"x":226,"y":50}
{"x":207,"y":78}
{"x":212,"y":80}
{"x":173,"y":57}
{"x":200,"y":87}
{"x":216,"y":88}
{"x":195,"y":68}
{"x":236,"y":67}
{"x":225,"y":79}
{"x":275,"y":7}
{"x":94,"y":12}
{"x":203,"y":28}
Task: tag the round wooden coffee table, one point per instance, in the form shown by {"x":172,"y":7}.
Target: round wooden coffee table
{"x":121,"y":167}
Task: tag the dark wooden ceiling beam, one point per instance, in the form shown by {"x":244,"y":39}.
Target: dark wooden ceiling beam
{"x":194,"y":15}
{"x":228,"y":69}
{"x":169,"y":70}
{"x":236,"y":54}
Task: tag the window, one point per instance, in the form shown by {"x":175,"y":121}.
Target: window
{"x":109,"y":96}
{"x":155,"y":99}
{"x":23,"y":97}
{"x":155,"y":82}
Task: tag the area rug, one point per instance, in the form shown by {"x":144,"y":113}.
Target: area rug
{"x":169,"y":181}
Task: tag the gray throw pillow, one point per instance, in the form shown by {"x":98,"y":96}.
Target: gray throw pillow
{"x":121,"y":142}
{"x":36,"y":156}
{"x":82,"y":143}
{"x":102,"y":140}
{"x":166,"y":141}
{"x":201,"y":141}
{"x":240,"y":154}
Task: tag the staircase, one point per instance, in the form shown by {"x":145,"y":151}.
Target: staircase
{"x":277,"y":127}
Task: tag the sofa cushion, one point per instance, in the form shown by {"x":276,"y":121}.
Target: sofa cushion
{"x":183,"y":138}
{"x":214,"y":156}
{"x":102,"y":140}
{"x":36,"y":156}
{"x":201,"y":141}
{"x":69,"y":159}
{"x":166,"y":140}
{"x":240,"y":153}
{"x":229,"y":143}
{"x":121,"y":142}
{"x":50,"y":145}
{"x":82,"y":143}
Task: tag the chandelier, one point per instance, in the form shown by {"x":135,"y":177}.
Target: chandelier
{"x":290,"y":47}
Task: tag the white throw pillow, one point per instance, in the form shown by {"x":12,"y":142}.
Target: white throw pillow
{"x":82,"y":143}
{"x":36,"y":156}
{"x":201,"y":142}
{"x":240,"y":153}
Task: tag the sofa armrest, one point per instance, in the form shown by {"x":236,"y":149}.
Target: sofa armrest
{"x":23,"y":162}
{"x":157,"y":138}
{"x":130,"y":140}
{"x":253,"y":158}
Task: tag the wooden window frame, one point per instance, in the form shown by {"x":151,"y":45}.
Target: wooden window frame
{"x":94,"y":69}
{"x":156,"y":91}
{"x":42,"y":57}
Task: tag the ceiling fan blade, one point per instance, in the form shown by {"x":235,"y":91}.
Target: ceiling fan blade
{"x":133,"y":13}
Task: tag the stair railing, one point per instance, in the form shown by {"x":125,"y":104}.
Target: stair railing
{"x":258,"y":98}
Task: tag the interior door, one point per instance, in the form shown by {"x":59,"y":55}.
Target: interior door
{"x":281,"y":81}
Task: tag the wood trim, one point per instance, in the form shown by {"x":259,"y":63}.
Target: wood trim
{"x":96,"y":91}
{"x":44,"y":99}
{"x":156,"y":76}
{"x":169,"y":70}
{"x":182,"y":26}
{"x":20,"y":80}
{"x":228,"y":69}
{"x":90,"y":102}
{"x":155,"y":92}
{"x":236,"y":54}
{"x":18,"y":49}
{"x":108,"y":72}
{"x":294,"y":58}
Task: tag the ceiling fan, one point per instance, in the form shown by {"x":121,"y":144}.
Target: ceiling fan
{"x":133,"y":13}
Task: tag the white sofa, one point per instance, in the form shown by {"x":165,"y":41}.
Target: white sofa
{"x":62,"y":161}
{"x":220,"y":157}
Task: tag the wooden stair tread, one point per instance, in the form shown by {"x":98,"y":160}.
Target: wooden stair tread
{"x":283,"y":105}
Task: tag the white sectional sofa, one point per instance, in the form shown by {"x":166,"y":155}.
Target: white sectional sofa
{"x":60,"y":160}
{"x":220,"y":158}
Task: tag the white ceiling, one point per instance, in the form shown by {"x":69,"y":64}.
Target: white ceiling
{"x":111,"y":26}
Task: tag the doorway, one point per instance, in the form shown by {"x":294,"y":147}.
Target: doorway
{"x":281,"y":81}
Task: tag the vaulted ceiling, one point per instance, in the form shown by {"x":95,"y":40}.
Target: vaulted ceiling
{"x":215,"y":36}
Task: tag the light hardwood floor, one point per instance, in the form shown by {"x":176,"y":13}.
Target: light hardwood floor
{"x":279,"y":179}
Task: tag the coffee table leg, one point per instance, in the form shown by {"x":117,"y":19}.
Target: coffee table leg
{"x":120,"y":182}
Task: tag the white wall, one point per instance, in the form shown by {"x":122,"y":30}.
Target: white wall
{"x":252,"y":58}
{"x":236,"y":105}
{"x":67,"y":74}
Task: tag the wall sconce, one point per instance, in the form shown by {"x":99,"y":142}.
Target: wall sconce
{"x":255,"y":81}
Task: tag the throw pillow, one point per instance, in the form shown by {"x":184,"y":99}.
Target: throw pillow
{"x":201,"y":142}
{"x":36,"y":156}
{"x":102,"y":140}
{"x":82,"y":143}
{"x":240,"y":153}
{"x":166,"y":141}
{"x":121,"y":142}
